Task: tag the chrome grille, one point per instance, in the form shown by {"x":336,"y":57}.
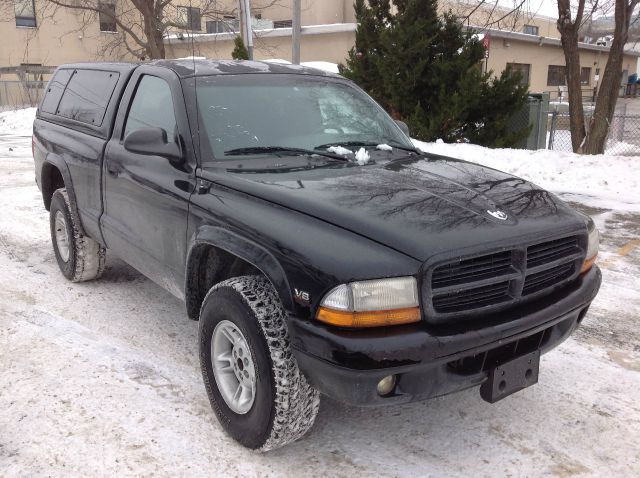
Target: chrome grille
{"x":461,"y":287}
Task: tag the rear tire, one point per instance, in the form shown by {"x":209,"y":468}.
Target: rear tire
{"x":280,"y":406}
{"x":79,"y":257}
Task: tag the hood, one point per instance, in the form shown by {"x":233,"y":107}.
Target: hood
{"x":421,"y":205}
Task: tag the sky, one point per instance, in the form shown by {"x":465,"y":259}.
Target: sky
{"x":541,"y":7}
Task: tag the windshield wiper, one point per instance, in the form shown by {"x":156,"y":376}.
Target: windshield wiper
{"x":347,"y":143}
{"x":280,"y":149}
{"x":393,"y":144}
{"x":412,"y":149}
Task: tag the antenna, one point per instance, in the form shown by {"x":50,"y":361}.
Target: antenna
{"x":195,"y":80}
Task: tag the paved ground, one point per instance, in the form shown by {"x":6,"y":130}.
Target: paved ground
{"x":103,"y":378}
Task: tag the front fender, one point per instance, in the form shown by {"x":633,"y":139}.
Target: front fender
{"x":248,"y":251}
{"x":301,"y":255}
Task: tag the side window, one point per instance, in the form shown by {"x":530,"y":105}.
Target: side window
{"x":152,"y":107}
{"x":54,"y":91}
{"x":87,"y":96}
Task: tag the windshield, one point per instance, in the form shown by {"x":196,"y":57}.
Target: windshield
{"x":241,"y":114}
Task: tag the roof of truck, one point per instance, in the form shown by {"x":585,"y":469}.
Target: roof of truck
{"x":188,"y":67}
{"x":201,"y":67}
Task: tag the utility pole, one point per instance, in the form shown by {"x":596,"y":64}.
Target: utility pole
{"x":295,"y":33}
{"x":244,"y":7}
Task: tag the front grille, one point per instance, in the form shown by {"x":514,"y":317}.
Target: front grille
{"x":477,"y":297}
{"x":473,"y":269}
{"x":551,"y":250}
{"x":465,"y":286}
{"x":543,"y":279}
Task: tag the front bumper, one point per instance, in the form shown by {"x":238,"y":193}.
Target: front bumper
{"x":430,"y":361}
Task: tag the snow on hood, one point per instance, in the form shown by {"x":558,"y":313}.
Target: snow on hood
{"x":341,"y":150}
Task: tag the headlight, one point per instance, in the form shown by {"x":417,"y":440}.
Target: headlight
{"x":592,"y":246}
{"x":371,"y":303}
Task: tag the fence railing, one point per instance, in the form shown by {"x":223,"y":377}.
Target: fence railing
{"x":20,"y":94}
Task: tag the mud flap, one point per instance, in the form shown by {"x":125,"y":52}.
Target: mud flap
{"x":511,"y":377}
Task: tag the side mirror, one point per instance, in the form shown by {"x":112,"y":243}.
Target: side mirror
{"x":403,"y":126}
{"x":152,"y":142}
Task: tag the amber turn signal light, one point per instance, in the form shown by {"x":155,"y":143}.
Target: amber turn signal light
{"x":588,"y":264}
{"x":376,"y":318}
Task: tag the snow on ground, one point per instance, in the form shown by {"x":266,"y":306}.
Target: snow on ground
{"x":19,"y":122}
{"x":602,"y":179}
{"x":102,"y":378}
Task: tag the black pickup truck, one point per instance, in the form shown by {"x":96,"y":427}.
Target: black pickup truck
{"x":320,"y":251}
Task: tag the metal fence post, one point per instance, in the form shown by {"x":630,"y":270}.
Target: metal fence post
{"x":552,"y":129}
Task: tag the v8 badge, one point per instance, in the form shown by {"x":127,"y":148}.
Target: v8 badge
{"x":301,"y":296}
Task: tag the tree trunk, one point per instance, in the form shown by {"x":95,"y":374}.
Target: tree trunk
{"x":156,"y":44}
{"x":152,"y":16}
{"x":610,"y":85}
{"x":569,"y":38}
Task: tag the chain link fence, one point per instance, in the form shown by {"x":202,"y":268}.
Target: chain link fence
{"x":623,"y":138}
{"x":20,"y":94}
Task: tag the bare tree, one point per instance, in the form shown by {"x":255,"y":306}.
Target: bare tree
{"x":492,"y":13}
{"x":592,"y":140}
{"x":569,"y":28}
{"x":143,"y":25}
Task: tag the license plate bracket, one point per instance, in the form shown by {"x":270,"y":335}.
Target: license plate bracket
{"x":511,"y":377}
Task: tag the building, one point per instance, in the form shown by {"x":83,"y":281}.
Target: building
{"x":37,"y":36}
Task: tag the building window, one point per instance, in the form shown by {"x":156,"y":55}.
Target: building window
{"x":524,"y":70}
{"x":227,"y":24}
{"x":216,"y":26}
{"x":556,"y":76}
{"x":530,"y":30}
{"x":25,"y":11}
{"x":585,"y":76}
{"x":282,"y":24}
{"x":189,"y":18}
{"x":107,"y":17}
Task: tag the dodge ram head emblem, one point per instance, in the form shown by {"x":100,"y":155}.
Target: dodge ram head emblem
{"x":498,"y":214}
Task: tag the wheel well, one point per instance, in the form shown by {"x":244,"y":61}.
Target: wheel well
{"x":51,"y":180}
{"x":207,"y":266}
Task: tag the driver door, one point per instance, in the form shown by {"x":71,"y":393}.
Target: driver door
{"x":146,"y":197}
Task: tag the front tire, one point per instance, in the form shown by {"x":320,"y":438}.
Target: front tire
{"x":254,"y":384}
{"x":79,"y":257}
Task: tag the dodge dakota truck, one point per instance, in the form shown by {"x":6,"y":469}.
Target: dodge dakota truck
{"x":321,"y":252}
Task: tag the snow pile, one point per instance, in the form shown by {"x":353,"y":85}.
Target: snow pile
{"x":341,"y":150}
{"x":384,"y":147}
{"x":17,"y":123}
{"x":612,"y":178}
{"x":362,"y":157}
